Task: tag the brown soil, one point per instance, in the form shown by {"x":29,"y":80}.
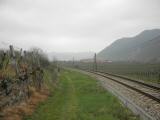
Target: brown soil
{"x":26,"y":108}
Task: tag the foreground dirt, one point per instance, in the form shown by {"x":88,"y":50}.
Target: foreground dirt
{"x":26,"y":108}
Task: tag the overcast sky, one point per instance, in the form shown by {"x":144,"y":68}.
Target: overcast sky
{"x":74,"y":25}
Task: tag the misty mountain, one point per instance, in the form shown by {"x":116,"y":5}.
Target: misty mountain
{"x":144,"y":47}
{"x":70,"y":56}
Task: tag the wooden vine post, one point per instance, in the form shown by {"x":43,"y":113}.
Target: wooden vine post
{"x":13,"y":59}
{"x":37,"y":72}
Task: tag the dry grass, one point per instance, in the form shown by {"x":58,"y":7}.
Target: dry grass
{"x":26,"y":108}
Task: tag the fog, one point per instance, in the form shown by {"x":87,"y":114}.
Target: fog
{"x":74,"y":25}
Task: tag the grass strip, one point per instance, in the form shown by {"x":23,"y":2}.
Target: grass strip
{"x":80,"y":97}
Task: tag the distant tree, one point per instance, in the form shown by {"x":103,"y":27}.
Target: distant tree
{"x":40,"y":56}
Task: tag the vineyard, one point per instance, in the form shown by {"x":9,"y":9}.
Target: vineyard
{"x":19,"y":72}
{"x":148,"y":72}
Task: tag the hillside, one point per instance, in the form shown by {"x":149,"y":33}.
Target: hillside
{"x":141,"y":48}
{"x":149,"y":52}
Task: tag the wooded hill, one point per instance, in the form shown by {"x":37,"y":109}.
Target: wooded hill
{"x":145,"y":47}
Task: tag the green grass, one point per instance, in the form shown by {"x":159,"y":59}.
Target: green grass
{"x":80,"y":97}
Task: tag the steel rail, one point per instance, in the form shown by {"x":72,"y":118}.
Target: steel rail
{"x":132,"y":80}
{"x":128,"y":86}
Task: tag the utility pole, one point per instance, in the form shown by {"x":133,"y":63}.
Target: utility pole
{"x":73,"y":62}
{"x":95,"y":62}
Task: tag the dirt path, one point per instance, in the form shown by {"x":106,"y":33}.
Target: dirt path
{"x":70,"y":105}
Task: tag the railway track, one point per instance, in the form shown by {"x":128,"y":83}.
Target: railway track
{"x":151,"y":91}
{"x":143,"y":99}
